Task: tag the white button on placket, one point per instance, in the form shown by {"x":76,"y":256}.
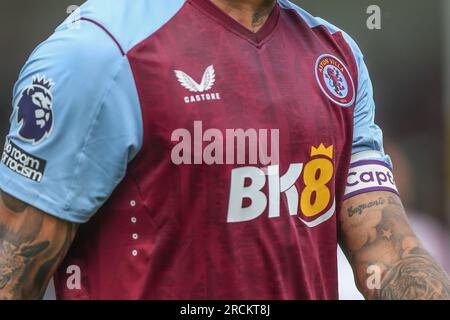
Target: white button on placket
{"x":134,"y":236}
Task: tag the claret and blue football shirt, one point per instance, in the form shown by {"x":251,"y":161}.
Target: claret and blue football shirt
{"x":128,"y":123}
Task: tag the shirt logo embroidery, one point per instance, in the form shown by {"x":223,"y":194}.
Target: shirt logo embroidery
{"x":207,"y":83}
{"x":34,"y":111}
{"x":335,"y":80}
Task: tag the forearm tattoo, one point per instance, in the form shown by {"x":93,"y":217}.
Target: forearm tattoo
{"x":32,"y":244}
{"x":376,"y":233}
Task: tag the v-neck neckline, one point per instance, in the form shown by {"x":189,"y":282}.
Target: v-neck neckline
{"x":255,"y":37}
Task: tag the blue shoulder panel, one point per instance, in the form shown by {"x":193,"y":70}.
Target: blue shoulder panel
{"x":76,"y":120}
{"x":367,"y":136}
{"x":131,"y":21}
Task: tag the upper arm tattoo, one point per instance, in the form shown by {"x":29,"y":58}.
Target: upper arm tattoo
{"x":32,"y":245}
{"x":375,"y":232}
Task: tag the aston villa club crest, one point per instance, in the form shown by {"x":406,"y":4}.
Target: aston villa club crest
{"x":335,"y":80}
{"x":34,"y":114}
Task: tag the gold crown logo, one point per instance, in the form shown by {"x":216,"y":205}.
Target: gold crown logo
{"x":322,"y":151}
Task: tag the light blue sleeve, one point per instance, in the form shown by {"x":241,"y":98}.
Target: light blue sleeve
{"x":76,"y":124}
{"x":367,"y":135}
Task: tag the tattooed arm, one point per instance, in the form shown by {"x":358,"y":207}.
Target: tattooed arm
{"x":32,"y":245}
{"x":376,"y":237}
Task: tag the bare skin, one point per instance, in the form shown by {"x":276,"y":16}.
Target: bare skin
{"x":252,"y":14}
{"x":32,"y":245}
{"x":375,"y":232}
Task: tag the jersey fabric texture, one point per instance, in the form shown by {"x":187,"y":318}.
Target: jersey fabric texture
{"x":91,"y":139}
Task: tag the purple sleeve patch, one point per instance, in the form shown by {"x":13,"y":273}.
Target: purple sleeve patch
{"x":368,"y":176}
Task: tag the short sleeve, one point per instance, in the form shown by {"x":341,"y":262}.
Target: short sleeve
{"x":370,"y":168}
{"x":367,"y":135}
{"x":75,"y":124}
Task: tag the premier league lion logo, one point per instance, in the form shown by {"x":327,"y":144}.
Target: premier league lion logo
{"x":34,"y":116}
